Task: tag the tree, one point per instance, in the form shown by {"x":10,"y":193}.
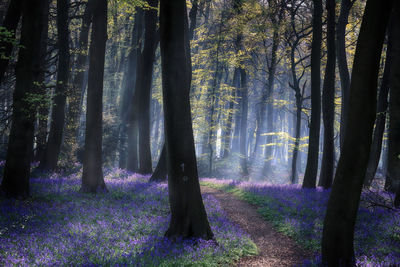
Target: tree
{"x":20,"y":145}
{"x":92,"y":176}
{"x":53,"y":147}
{"x":310,"y":176}
{"x":143,"y":86}
{"x":77,"y":89}
{"x":188,"y":215}
{"x":340,"y":218}
{"x":380,"y":123}
{"x":393,"y":170}
{"x":345,"y":7}
{"x":328,"y":102}
{"x":10,"y":25}
{"x":160,"y":173}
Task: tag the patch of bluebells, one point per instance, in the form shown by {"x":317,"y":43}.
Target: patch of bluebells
{"x":299,"y":213}
{"x":60,"y":226}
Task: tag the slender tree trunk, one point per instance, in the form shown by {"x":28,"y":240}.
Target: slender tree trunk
{"x":143,"y":87}
{"x":128,"y":155}
{"x":393,"y":171}
{"x":243,"y":121}
{"x":380,"y":122}
{"x":310,"y":176}
{"x":188,"y":215}
{"x":340,"y":218}
{"x":77,"y":88}
{"x":10,"y":24}
{"x":20,"y":145}
{"x":345,"y":7}
{"x":53,"y":147}
{"x":297,"y":126}
{"x":92,"y":177}
{"x":43,"y":109}
{"x":328,"y":102}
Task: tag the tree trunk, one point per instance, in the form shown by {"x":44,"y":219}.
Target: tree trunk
{"x":92,"y":176}
{"x":243,"y":121}
{"x":338,"y":232}
{"x":77,"y":89}
{"x":53,"y":147}
{"x":143,"y":87}
{"x":328,"y":102}
{"x":310,"y":176}
{"x":297,"y":126}
{"x":17,"y":168}
{"x":345,"y":7}
{"x":193,"y":18}
{"x":393,"y":171}
{"x":380,"y":122}
{"x":10,"y":24}
{"x":160,"y":173}
{"x":43,"y":109}
{"x":127,"y":98}
{"x":188,"y":215}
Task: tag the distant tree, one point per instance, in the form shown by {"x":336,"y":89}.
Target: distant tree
{"x":20,"y":145}
{"x":92,"y":176}
{"x":338,"y":231}
{"x":53,"y":147}
{"x":328,"y":101}
{"x":393,"y":170}
{"x":10,"y":24}
{"x":310,"y":176}
{"x":188,"y":215}
{"x":127,"y":108}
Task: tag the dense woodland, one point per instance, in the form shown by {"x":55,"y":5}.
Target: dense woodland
{"x":296,"y":92}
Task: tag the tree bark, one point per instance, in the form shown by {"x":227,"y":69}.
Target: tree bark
{"x":188,"y":215}
{"x":380,"y":122}
{"x":393,"y":171}
{"x":310,"y":176}
{"x":328,"y":102}
{"x":77,"y":89}
{"x":338,"y":232}
{"x":143,"y":87}
{"x":20,"y":145}
{"x":92,"y":176}
{"x":10,"y":23}
{"x":53,"y":146}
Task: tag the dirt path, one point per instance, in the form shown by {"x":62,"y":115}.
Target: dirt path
{"x":274,"y":248}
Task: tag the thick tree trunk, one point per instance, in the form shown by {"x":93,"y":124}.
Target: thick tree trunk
{"x":53,"y":147}
{"x":338,"y":232}
{"x":10,"y":23}
{"x":160,"y":173}
{"x":345,"y":7}
{"x":17,"y":168}
{"x":310,"y":176}
{"x":393,"y":170}
{"x":92,"y":176}
{"x":188,"y":215}
{"x":380,"y":122}
{"x":328,"y":102}
{"x":77,"y":89}
{"x":143,"y":87}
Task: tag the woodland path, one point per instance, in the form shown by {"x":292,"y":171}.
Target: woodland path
{"x":275,"y":249}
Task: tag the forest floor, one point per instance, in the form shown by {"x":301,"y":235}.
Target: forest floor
{"x":275,"y":249}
